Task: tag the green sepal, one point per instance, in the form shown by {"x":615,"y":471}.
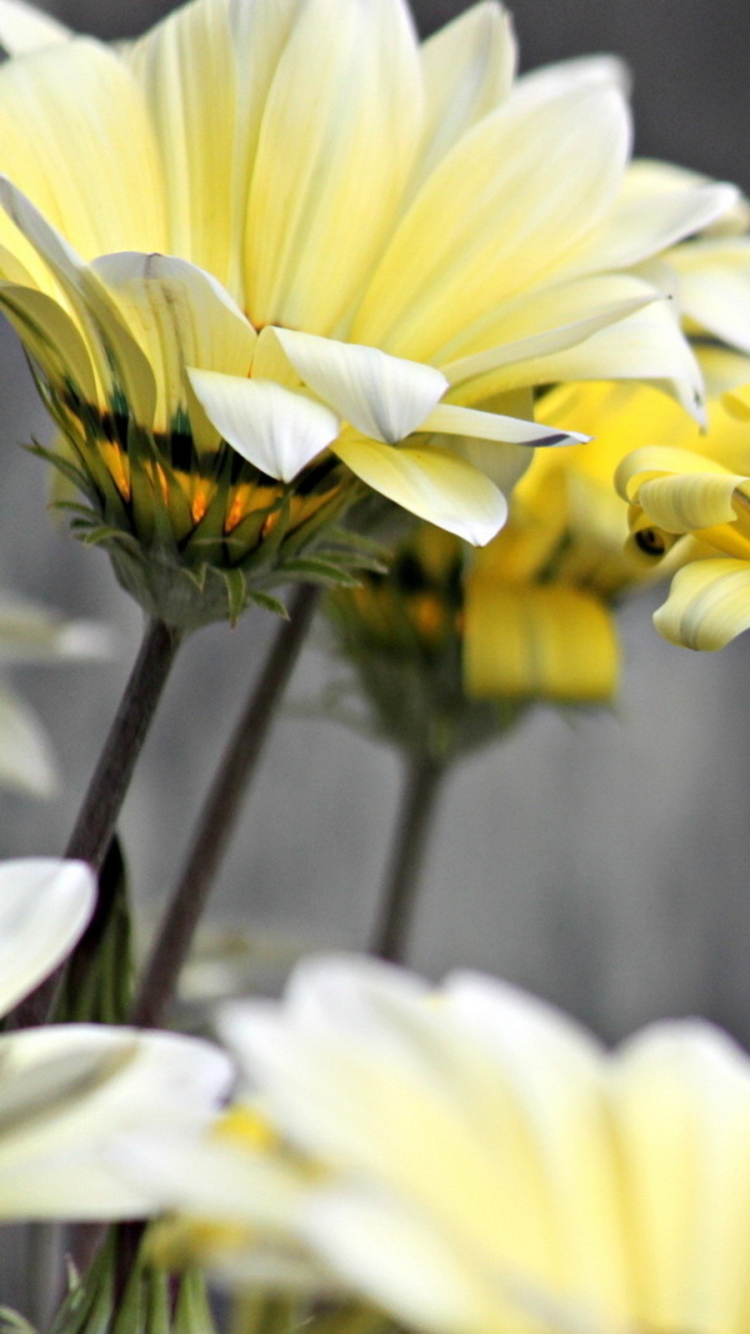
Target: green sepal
{"x":236,"y":593}
{"x":268,"y":602}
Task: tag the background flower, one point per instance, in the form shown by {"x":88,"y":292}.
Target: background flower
{"x":523,"y":1177}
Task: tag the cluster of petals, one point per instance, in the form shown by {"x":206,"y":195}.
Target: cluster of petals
{"x":471,"y":1160}
{"x":69,"y":1091}
{"x":689,"y":498}
{"x":376,"y":251}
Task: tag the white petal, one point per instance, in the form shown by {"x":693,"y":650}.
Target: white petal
{"x":384,"y":397}
{"x":277,"y":430}
{"x":27,"y":761}
{"x":24,"y":28}
{"x":44,"y":905}
{"x":450,"y":419}
{"x":58,"y":1161}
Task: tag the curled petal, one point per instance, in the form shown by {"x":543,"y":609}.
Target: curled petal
{"x":708,"y":604}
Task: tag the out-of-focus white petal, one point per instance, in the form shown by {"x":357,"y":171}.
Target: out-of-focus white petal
{"x":81,"y":1089}
{"x":384,"y":397}
{"x":273,"y":427}
{"x":30,"y":632}
{"x":27,"y":760}
{"x":25,"y":28}
{"x":45,"y":903}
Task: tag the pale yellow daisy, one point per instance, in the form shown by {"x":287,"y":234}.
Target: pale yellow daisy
{"x":472,"y":1161}
{"x":274,"y":247}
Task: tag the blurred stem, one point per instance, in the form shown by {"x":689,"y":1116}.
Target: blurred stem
{"x":106,"y":792}
{"x":43,"y":1271}
{"x":424,"y":775}
{"x":220,"y":813}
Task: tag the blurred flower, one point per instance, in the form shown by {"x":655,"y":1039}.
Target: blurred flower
{"x":293,"y":277}
{"x":68,"y":1091}
{"x":30,"y":633}
{"x":471,"y":1160}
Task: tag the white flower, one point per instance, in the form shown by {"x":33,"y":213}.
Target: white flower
{"x":68,"y":1091}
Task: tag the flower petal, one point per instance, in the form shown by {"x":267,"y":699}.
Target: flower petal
{"x":185,"y":65}
{"x":94,"y":170}
{"x":708,"y":604}
{"x":551,"y":641}
{"x":336,"y":144}
{"x":181,"y":317}
{"x":525,"y":216}
{"x":681,"y":1096}
{"x":27,"y":761}
{"x":468,"y":70}
{"x":70,"y":1091}
{"x":274,"y":428}
{"x":25,"y":28}
{"x":431,"y":483}
{"x":45,"y":904}
{"x":384,"y":397}
{"x":542,"y":322}
{"x":450,"y":419}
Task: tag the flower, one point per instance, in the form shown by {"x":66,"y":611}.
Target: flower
{"x":31,"y":633}
{"x":67,"y":1091}
{"x":692,"y":500}
{"x":251,"y":280}
{"x":471,"y":1160}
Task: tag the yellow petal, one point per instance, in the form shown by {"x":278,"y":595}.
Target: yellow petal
{"x":654,"y":461}
{"x":496,"y":215}
{"x":94,"y":170}
{"x":181,"y":316}
{"x":51,"y":337}
{"x":681,"y":1100}
{"x":187,"y":70}
{"x":431,"y":483}
{"x":708,"y":604}
{"x":468,"y":70}
{"x":551,"y":641}
{"x":543,"y":322}
{"x":337,"y":141}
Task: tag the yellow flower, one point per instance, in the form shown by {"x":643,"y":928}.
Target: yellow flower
{"x":692,"y":499}
{"x":484,"y":1165}
{"x":277,"y":250}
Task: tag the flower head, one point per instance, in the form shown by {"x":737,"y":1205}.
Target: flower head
{"x":68,"y":1091}
{"x":252,"y":282}
{"x":470,"y":1160}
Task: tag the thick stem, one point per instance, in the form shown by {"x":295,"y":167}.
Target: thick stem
{"x":219,"y":815}
{"x":106,"y":792}
{"x":423,"y":781}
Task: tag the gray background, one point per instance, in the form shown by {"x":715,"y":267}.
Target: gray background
{"x":602,"y":861}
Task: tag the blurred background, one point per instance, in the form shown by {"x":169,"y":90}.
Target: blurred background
{"x":602,"y":860}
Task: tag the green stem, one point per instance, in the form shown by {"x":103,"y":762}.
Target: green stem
{"x":424,"y":776}
{"x":106,"y":792}
{"x":219,"y":815}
